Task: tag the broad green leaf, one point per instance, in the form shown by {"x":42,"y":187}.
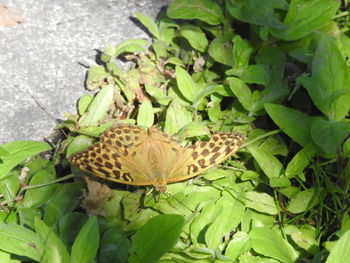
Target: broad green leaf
{"x":286,"y":118}
{"x":224,"y":222}
{"x":328,"y":85}
{"x":54,"y":249}
{"x":303,"y":200}
{"x":185,"y":83}
{"x":98,"y":107}
{"x":300,"y":161}
{"x":242,"y":92}
{"x":261,"y":202}
{"x":195,"y":36}
{"x":271,"y":166}
{"x":340,"y":252}
{"x":158,"y":93}
{"x":69,"y":226}
{"x":148,"y":23}
{"x":329,"y":135}
{"x":258,"y":12}
{"x":114,"y":247}
{"x":161,"y":233}
{"x":304,"y":17}
{"x":18,"y":151}
{"x":206,"y":10}
{"x":177,"y":117}
{"x":36,"y":197}
{"x":268,"y":243}
{"x":220,"y":49}
{"x":240,"y":244}
{"x":257,"y":74}
{"x":346,"y":148}
{"x":86,"y":244}
{"x":27,"y":215}
{"x":84,"y":103}
{"x":305,"y":237}
{"x":145,"y":116}
{"x":220,"y":89}
{"x":131,"y":45}
{"x":64,"y":200}
{"x":9,"y":186}
{"x":20,"y":241}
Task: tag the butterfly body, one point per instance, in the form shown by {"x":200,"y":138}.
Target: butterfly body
{"x":131,"y":155}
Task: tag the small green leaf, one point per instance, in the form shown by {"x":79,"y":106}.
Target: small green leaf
{"x":78,"y":144}
{"x":271,"y":166}
{"x":86,"y":244}
{"x":146,"y":115}
{"x":96,"y":77}
{"x":304,"y":17}
{"x":286,"y":118}
{"x":302,"y":201}
{"x":340,"y":252}
{"x":256,"y":74}
{"x":220,"y":49}
{"x":177,"y":117}
{"x":193,"y":129}
{"x":329,"y":135}
{"x":131,"y":45}
{"x":20,"y":241}
{"x":268,"y":243}
{"x":195,"y":36}
{"x":84,"y":103}
{"x":18,"y":151}
{"x":240,"y":244}
{"x":114,"y":247}
{"x":161,"y":233}
{"x":260,"y":202}
{"x":300,"y":161}
{"x":185,"y":83}
{"x":206,"y":10}
{"x":148,"y":23}
{"x":54,"y":249}
{"x":98,"y":107}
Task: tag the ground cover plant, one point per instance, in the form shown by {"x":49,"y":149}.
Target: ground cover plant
{"x":275,"y":71}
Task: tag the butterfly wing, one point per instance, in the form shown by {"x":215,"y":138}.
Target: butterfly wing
{"x":202,"y":156}
{"x":113,"y":157}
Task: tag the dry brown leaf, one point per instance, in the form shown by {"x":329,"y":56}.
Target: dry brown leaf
{"x":9,"y":16}
{"x":96,"y":197}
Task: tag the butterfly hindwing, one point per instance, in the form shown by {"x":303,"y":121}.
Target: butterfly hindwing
{"x":202,"y":155}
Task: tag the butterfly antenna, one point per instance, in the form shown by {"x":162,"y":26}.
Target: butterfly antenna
{"x":180,"y":202}
{"x":48,"y":114}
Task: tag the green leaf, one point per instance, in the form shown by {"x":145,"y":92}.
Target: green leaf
{"x":261,"y":202}
{"x":257,"y":74}
{"x":161,"y":233}
{"x":96,"y":78}
{"x":114,"y":247}
{"x":340,"y":252}
{"x":268,"y":243}
{"x":301,"y":160}
{"x":185,"y":83}
{"x":9,"y":186}
{"x":54,"y":249}
{"x":302,"y":201}
{"x":271,"y":166}
{"x":258,"y":12}
{"x":177,"y":116}
{"x":346,"y":148}
{"x":69,"y":226}
{"x":286,"y":118}
{"x":130,"y":46}
{"x":148,"y":23}
{"x":329,"y":135}
{"x":78,"y":144}
{"x":240,"y":244}
{"x":64,"y":200}
{"x":84,"y":103}
{"x":98,"y":107}
{"x":193,"y":129}
{"x":36,"y":197}
{"x":242,"y":92}
{"x":224,"y":222}
{"x":20,"y":241}
{"x":220,"y":49}
{"x":146,"y":115}
{"x":304,"y":17}
{"x":205,"y":10}
{"x":328,"y":86}
{"x":305,"y":237}
{"x":86,"y":244}
{"x":18,"y":151}
{"x":195,"y":36}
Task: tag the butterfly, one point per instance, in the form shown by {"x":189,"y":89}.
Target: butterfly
{"x":129,"y":154}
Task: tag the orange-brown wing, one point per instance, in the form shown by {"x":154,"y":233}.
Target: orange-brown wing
{"x":112,"y":158}
{"x":201,"y":156}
